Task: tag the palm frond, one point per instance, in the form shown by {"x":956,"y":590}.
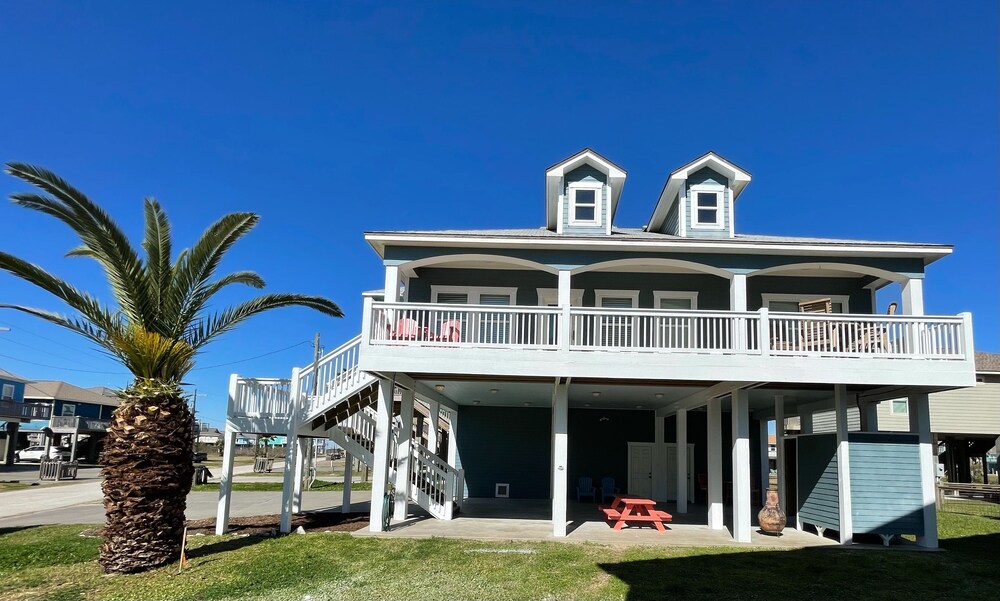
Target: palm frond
{"x":98,"y":232}
{"x":158,"y":250}
{"x":83,"y":327}
{"x":215,"y":325}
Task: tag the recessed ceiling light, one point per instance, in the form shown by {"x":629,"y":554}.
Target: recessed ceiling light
{"x":475,"y":402}
{"x":596,"y":393}
{"x":494,"y":390}
{"x":638,"y":406}
{"x":658,"y":395}
{"x":439,"y":387}
{"x":527,"y":404}
{"x":586,"y":404}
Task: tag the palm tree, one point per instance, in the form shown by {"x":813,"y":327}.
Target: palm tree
{"x":158,"y":322}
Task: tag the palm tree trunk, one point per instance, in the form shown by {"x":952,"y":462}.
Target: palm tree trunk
{"x":147,"y":470}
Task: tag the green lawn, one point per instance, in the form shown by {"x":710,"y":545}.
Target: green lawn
{"x":319,"y":485}
{"x":54,"y":562}
{"x":5,"y":486}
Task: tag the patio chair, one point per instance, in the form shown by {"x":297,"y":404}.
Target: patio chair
{"x":608,"y":488}
{"x":817,"y":336}
{"x":585,"y":488}
{"x":874,"y":338}
{"x":406,"y":329}
{"x":450,"y":331}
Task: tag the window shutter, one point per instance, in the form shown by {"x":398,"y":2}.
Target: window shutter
{"x":612,"y":302}
{"x":453,"y":298}
{"x":675,"y":304}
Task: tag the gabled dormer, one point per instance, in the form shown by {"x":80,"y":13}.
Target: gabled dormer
{"x":582,"y":193}
{"x":697,"y":200}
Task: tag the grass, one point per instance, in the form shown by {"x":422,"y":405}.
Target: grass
{"x":5,"y":486}
{"x":319,"y":485}
{"x":54,"y":562}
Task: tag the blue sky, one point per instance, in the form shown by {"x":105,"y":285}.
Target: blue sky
{"x":868,"y":120}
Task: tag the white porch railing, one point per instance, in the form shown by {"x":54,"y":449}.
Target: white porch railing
{"x":334,"y":377}
{"x":662,"y":331}
{"x":480,"y":326}
{"x":261,"y":398}
{"x":891,"y":336}
{"x":434,"y":485}
{"x":649,"y":330}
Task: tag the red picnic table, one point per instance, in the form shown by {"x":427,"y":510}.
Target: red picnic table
{"x":633,"y":509}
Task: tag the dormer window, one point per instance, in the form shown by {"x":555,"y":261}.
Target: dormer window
{"x":707,"y":206}
{"x":584,"y":208}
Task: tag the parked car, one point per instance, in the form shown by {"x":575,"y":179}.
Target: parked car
{"x":36,"y":453}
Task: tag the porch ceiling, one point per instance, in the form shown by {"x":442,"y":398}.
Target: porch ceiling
{"x":610,"y":395}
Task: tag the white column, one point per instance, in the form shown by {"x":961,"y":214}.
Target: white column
{"x":913,"y":296}
{"x":741,"y":466}
{"x":779,"y":440}
{"x":844,"y":465}
{"x":565,"y":295}
{"x":738,"y":292}
{"x":920,"y":424}
{"x":403,"y":459}
{"x":345,"y":504}
{"x":301,"y":456}
{"x":658,"y":428}
{"x":75,"y":438}
{"x":383,"y":438}
{"x":765,"y":471}
{"x":682,"y":460}
{"x":433,"y":436}
{"x":288,"y":485}
{"x":714,"y":444}
{"x":560,"y":466}
{"x":806,"y":422}
{"x":454,"y":457}
{"x":391,"y":283}
{"x":226,"y":482}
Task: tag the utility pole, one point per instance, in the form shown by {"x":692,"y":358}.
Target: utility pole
{"x":316,"y":351}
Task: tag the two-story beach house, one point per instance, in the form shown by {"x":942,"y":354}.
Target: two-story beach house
{"x":14,"y":411}
{"x":656,"y":356}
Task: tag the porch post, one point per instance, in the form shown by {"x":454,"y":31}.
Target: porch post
{"x":301,"y":455}
{"x":869,"y":415}
{"x":288,"y":484}
{"x":714,"y":448}
{"x":779,"y":441}
{"x":345,"y":504}
{"x":383,"y":438}
{"x":913,"y":304}
{"x":738,"y":292}
{"x":560,"y":467}
{"x":806,"y":422}
{"x":433,"y":434}
{"x":226,"y":482}
{"x":565,"y":295}
{"x":682,"y":461}
{"x":741,"y":466}
{"x":920,"y":423}
{"x":391,"y":283}
{"x":76,"y":437}
{"x":403,"y":458}
{"x":454,"y":457}
{"x":844,"y":466}
{"x":765,"y":460}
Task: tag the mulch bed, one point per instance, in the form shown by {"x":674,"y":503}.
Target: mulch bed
{"x":310,"y":521}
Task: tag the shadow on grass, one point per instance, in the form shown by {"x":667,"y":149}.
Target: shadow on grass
{"x":816,"y":573}
{"x":222,"y":546}
{"x":14,"y":529}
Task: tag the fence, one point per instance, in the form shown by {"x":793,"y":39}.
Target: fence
{"x":969,"y":499}
{"x":57,"y":470}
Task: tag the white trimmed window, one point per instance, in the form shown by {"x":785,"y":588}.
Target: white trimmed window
{"x":615,"y":331}
{"x":899,"y":407}
{"x":789,"y":303}
{"x":707,"y":206}
{"x":8,"y":392}
{"x":675,"y":300}
{"x":68,"y":409}
{"x":585,"y":203}
{"x":484,"y":327}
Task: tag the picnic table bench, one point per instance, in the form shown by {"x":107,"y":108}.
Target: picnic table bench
{"x":631,"y":509}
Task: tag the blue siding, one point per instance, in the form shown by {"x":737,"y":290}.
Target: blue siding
{"x":506,"y":444}
{"x":818,"y":490}
{"x":90,"y":410}
{"x":885,"y":483}
{"x":671,"y":225}
{"x":586,"y":173}
{"x":18,"y":389}
{"x":860,"y":299}
{"x":706,"y":176}
{"x":598,"y":443}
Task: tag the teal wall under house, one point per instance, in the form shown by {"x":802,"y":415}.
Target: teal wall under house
{"x":886,"y":497}
{"x":598,"y":443}
{"x":818,"y":490}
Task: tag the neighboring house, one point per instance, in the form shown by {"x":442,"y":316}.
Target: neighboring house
{"x":965,"y":422}
{"x":14,"y":411}
{"x":655,"y":355}
{"x":79,"y":416}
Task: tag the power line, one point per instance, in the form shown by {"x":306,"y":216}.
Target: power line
{"x":281,"y":350}
{"x":47,"y":351}
{"x":86,"y":371}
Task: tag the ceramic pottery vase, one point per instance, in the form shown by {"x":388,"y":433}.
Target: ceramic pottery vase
{"x":771,"y":518}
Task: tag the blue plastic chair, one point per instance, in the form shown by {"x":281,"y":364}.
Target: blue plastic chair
{"x":608,"y":488}
{"x":585,"y":488}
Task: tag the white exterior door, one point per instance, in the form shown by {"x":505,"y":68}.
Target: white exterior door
{"x":640,"y":469}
